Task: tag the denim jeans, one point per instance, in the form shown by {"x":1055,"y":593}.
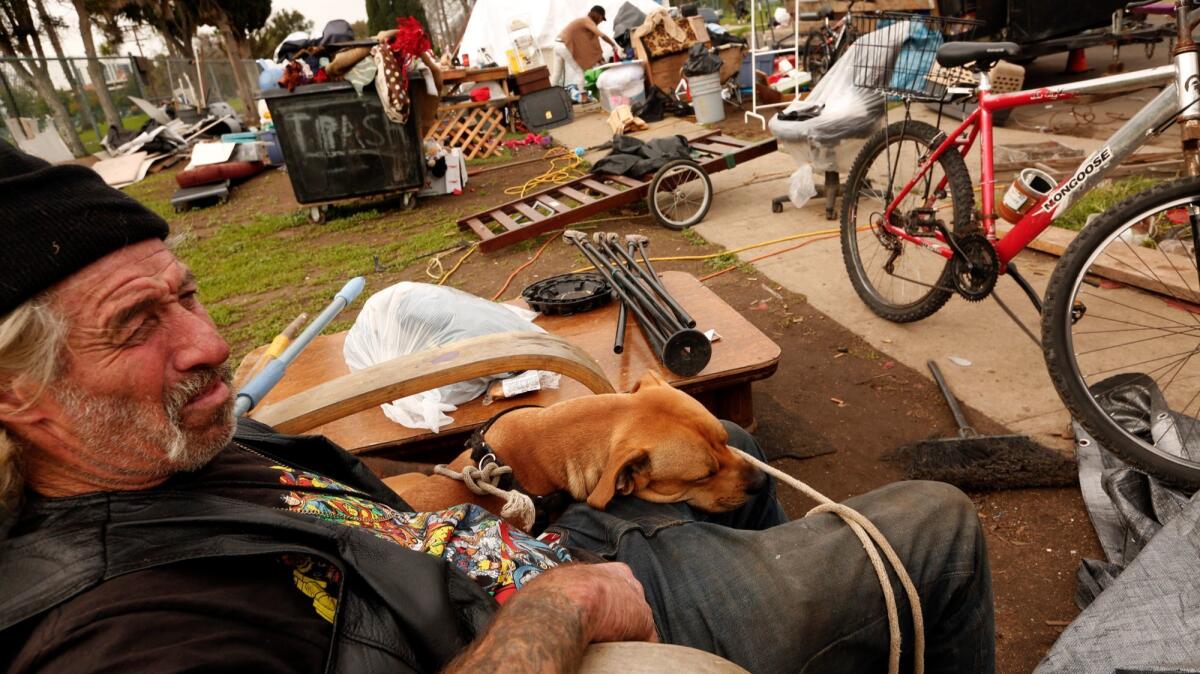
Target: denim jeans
{"x":801,"y":596}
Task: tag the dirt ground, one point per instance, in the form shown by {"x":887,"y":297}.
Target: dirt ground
{"x":1036,"y":537}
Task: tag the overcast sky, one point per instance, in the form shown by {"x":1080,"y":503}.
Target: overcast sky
{"x":319,"y":12}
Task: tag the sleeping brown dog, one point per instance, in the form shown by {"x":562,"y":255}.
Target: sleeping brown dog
{"x":656,"y":443}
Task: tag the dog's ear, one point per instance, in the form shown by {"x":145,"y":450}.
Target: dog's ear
{"x":649,"y":380}
{"x":619,"y":477}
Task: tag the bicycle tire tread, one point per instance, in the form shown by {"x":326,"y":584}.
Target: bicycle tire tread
{"x":1054,"y":342}
{"x":963,"y":193}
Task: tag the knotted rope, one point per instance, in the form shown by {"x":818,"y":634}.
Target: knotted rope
{"x":485,"y":481}
{"x":870,"y":537}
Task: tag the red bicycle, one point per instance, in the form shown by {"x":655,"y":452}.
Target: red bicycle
{"x":912,"y":235}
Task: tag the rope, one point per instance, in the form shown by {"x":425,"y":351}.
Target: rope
{"x":558,"y":173}
{"x":870,"y":537}
{"x":763,"y":257}
{"x":485,"y":481}
{"x":437,"y":262}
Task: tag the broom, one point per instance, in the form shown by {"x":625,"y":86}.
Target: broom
{"x":983,"y":462}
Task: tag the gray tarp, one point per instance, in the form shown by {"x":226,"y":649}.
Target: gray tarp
{"x":1142,"y":604}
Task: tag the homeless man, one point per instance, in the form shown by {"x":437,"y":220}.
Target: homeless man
{"x":145,"y":530}
{"x":578,"y":48}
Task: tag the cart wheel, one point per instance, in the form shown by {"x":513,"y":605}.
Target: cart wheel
{"x":408,"y":201}
{"x":316,"y":214}
{"x":680,"y":194}
{"x":776,"y":206}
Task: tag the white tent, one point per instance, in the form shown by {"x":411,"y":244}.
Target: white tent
{"x":488,"y":26}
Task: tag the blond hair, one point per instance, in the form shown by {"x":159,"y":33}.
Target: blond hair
{"x":31,"y":346}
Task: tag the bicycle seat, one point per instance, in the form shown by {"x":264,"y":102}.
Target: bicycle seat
{"x":824,"y":12}
{"x":983,"y":54}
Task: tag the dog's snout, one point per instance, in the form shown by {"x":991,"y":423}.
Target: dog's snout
{"x":756,"y":480}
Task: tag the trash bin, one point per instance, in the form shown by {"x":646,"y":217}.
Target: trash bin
{"x":338,"y":144}
{"x":706,"y":98}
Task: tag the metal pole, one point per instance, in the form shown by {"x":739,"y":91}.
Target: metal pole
{"x":85,"y":106}
{"x":684,"y":318}
{"x":137,"y":73}
{"x":656,"y":341}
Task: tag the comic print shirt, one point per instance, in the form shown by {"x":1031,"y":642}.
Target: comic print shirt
{"x":497,"y":555}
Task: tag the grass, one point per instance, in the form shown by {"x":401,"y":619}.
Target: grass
{"x":1101,"y":199}
{"x":258,"y":273}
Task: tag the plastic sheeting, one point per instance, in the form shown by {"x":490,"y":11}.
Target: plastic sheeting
{"x":410,"y":317}
{"x":1142,"y":602}
{"x":844,"y":110}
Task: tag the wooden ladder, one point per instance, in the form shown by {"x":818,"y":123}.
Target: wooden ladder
{"x":557,"y":206}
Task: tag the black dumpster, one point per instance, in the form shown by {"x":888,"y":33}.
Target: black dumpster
{"x":338,"y":144}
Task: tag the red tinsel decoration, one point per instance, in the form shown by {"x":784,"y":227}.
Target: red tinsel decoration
{"x":411,"y":40}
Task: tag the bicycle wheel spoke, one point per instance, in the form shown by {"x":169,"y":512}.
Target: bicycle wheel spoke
{"x":1154,"y":275}
{"x":1133,"y":308}
{"x":1136,"y":341}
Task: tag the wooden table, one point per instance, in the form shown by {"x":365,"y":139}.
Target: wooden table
{"x":743,"y":354}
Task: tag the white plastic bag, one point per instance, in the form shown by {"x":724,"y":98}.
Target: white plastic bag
{"x":411,"y":317}
{"x":801,"y":186}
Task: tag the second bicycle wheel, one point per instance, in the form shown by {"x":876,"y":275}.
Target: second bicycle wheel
{"x":899,"y":280}
{"x":1121,"y":331}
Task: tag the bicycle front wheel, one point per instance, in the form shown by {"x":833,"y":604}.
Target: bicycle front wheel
{"x":897,"y":279}
{"x":1121,"y":331}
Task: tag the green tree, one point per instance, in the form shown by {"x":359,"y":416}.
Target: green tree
{"x":382,"y":14}
{"x":281,"y":24}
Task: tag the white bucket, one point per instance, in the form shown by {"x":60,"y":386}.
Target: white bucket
{"x":706,"y":98}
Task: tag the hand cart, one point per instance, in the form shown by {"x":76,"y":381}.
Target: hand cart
{"x":679,"y":194}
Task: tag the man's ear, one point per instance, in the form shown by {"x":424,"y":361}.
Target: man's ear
{"x":649,"y":380}
{"x":18,"y":403}
{"x":619,"y":477}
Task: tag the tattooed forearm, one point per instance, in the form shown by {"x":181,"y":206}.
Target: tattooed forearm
{"x":538,"y":631}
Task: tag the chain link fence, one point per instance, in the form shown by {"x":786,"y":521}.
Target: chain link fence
{"x":158,"y":80}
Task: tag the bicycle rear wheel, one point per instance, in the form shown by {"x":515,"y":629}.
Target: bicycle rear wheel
{"x":899,"y":280}
{"x":817,"y":54}
{"x":1121,"y":331}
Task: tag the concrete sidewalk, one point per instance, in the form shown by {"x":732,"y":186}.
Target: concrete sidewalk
{"x":1007,"y":377}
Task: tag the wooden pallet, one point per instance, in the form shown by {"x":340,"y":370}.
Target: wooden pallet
{"x":561,"y":205}
{"x":476,"y":128}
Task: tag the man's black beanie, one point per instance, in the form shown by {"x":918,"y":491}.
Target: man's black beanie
{"x":56,"y":220}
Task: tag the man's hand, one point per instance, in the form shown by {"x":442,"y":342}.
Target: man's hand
{"x":613,"y":600}
{"x":547,"y":625}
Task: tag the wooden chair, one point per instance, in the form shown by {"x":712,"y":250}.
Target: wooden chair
{"x":408,"y":375}
{"x":468,"y":359}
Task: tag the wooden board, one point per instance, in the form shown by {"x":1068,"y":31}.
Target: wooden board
{"x":744,"y":354}
{"x":476,"y":128}
{"x":1156,"y":272}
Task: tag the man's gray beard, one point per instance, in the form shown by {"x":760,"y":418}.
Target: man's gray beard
{"x":121,"y":428}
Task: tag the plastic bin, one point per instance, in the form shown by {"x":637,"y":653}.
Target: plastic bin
{"x":274,"y":153}
{"x":340,"y":145}
{"x":621,"y":85}
{"x":763,"y":62}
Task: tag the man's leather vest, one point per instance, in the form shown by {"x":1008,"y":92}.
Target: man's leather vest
{"x":398,"y":610}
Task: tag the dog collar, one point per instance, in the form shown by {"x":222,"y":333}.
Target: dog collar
{"x":482,"y":454}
